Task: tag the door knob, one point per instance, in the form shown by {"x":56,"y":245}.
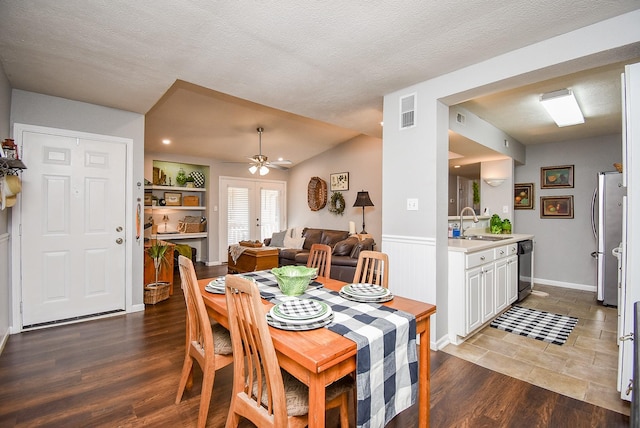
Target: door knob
{"x":119,"y":241}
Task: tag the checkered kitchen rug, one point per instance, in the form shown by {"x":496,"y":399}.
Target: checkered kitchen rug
{"x":539,"y":325}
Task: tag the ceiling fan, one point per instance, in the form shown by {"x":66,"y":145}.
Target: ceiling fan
{"x":260,"y":163}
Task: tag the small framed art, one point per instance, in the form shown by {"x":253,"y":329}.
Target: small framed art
{"x":556,"y":206}
{"x":173,"y":199}
{"x":556,"y":177}
{"x":339,"y":181}
{"x":523,"y":196}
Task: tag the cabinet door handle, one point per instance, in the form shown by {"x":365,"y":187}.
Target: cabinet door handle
{"x":481,"y":257}
{"x":119,"y":241}
{"x":501,"y":252}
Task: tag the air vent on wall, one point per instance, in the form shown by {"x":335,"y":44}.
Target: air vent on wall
{"x":408,"y":111}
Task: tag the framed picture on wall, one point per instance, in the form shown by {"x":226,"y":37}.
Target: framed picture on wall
{"x":523,"y":196}
{"x":556,"y":177}
{"x":556,"y":206}
{"x":339,"y":181}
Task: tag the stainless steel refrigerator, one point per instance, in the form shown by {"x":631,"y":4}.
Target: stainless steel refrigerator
{"x":606,"y":222}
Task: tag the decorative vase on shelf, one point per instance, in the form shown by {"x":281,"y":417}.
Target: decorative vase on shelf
{"x":181,"y":178}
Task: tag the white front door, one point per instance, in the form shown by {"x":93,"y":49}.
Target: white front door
{"x":73,"y":227}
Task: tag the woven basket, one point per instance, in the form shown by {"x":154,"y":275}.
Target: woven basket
{"x":191,"y":224}
{"x":317,"y":193}
{"x":156,"y":293}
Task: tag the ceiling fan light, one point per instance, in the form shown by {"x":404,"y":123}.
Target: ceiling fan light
{"x":562,"y":107}
{"x":264,"y":170}
{"x":253,"y":169}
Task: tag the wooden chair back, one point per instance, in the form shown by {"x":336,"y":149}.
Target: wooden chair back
{"x":255,"y":361}
{"x":372,"y":268}
{"x":199,"y":341}
{"x":320,"y":257}
{"x":260,"y":387}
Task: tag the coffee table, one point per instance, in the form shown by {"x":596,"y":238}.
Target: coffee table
{"x":253,"y":259}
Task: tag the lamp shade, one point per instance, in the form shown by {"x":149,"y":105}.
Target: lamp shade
{"x":363,"y":200}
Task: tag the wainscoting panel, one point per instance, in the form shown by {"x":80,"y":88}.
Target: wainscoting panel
{"x":412,"y":270}
{"x":5,"y":301}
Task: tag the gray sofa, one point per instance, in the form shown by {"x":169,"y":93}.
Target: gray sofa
{"x":344,"y":256}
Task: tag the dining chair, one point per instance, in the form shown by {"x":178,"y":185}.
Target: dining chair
{"x":372,"y":268}
{"x":262,"y":392}
{"x":320,"y":257}
{"x":206,"y":343}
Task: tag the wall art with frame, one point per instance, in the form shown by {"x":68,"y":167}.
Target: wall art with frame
{"x":556,"y":177}
{"x":556,"y":206}
{"x":523,"y":196}
{"x":339,"y":181}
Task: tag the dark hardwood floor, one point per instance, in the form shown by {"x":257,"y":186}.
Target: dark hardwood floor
{"x":123,"y":372}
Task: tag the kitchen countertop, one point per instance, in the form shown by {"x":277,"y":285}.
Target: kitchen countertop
{"x":470,"y":246}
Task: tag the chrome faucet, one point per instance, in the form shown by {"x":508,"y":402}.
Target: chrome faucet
{"x":475,"y":219}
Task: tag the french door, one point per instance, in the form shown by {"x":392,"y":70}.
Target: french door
{"x":250,"y":210}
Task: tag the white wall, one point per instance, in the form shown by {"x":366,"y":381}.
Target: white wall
{"x":495,"y":199}
{"x":563,"y":246}
{"x":5,"y":259}
{"x":361,"y":157}
{"x":43,"y":110}
{"x":415,"y":160}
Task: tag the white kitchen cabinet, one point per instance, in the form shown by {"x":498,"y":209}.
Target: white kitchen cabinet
{"x":484,"y":283}
{"x":512,"y":278}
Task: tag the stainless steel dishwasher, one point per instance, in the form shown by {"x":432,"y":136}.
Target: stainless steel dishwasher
{"x":525,"y":268}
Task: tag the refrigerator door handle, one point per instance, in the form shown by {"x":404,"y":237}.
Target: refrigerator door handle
{"x":593,"y":213}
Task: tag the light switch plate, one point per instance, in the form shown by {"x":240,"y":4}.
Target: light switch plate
{"x":412,"y":204}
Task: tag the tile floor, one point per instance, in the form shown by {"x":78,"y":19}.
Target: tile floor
{"x":584,"y":368}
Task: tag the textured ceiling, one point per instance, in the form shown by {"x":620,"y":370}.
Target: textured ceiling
{"x":330,"y":61}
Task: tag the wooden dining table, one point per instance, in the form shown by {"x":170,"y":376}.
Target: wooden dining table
{"x":319,"y":357}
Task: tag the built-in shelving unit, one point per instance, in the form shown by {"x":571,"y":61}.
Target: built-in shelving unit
{"x":178,"y":202}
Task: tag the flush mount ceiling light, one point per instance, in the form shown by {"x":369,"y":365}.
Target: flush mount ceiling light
{"x":562,"y":107}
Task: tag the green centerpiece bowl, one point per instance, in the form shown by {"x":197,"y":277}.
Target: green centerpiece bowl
{"x":293,"y":280}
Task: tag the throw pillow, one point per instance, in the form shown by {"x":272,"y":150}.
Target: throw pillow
{"x":344,"y":247}
{"x":365,"y":244}
{"x":296,"y":243}
{"x":277,"y":239}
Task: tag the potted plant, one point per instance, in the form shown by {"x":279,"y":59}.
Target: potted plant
{"x":157,"y":251}
{"x":181,"y":178}
{"x":190,"y":182}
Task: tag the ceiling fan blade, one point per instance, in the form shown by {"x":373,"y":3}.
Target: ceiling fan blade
{"x":275,"y":166}
{"x":281,"y":162}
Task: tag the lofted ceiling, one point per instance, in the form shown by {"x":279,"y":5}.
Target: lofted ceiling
{"x":207,"y":74}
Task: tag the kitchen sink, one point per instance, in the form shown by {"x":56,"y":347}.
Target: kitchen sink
{"x":482,"y":237}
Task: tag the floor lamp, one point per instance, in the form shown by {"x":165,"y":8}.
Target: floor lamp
{"x":363,"y":200}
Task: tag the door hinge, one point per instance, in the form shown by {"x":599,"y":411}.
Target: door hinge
{"x":626,"y":337}
{"x":20,"y":307}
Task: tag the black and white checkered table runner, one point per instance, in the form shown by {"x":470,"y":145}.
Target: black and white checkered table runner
{"x":387,"y":364}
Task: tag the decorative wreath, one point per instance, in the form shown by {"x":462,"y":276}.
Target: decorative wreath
{"x":337,"y":203}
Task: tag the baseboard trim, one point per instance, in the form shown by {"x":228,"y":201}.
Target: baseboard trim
{"x":5,"y":338}
{"x":574,"y":286}
{"x":136,"y":308}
